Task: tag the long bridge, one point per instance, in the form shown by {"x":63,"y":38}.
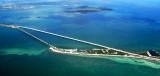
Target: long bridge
{"x":78,"y":40}
{"x":35,"y":37}
{"x":66,"y":37}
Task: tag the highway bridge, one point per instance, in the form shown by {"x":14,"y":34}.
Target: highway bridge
{"x":66,"y":37}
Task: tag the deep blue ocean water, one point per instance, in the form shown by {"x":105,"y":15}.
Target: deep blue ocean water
{"x":131,"y":25}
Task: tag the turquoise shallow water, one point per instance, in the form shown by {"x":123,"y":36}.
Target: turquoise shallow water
{"x":132,"y":25}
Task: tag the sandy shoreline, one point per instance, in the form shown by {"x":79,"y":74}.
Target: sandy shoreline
{"x":83,"y":54}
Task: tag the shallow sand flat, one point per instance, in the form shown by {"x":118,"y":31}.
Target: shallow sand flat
{"x":21,"y":51}
{"x":133,"y":61}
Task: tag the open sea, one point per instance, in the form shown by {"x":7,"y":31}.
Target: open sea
{"x":132,"y":25}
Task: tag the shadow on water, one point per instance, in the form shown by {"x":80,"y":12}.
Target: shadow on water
{"x":61,"y":42}
{"x":15,"y":42}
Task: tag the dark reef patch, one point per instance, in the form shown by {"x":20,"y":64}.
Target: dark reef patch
{"x":86,"y":9}
{"x":3,"y":17}
{"x":22,"y":17}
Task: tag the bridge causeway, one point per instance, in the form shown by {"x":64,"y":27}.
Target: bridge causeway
{"x":34,"y":37}
{"x":66,"y":37}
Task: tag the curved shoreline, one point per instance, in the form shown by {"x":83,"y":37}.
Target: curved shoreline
{"x":83,"y":54}
{"x":113,"y":51}
{"x":117,"y":58}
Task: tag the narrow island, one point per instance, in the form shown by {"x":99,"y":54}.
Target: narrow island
{"x":107,"y":51}
{"x":86,"y":9}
